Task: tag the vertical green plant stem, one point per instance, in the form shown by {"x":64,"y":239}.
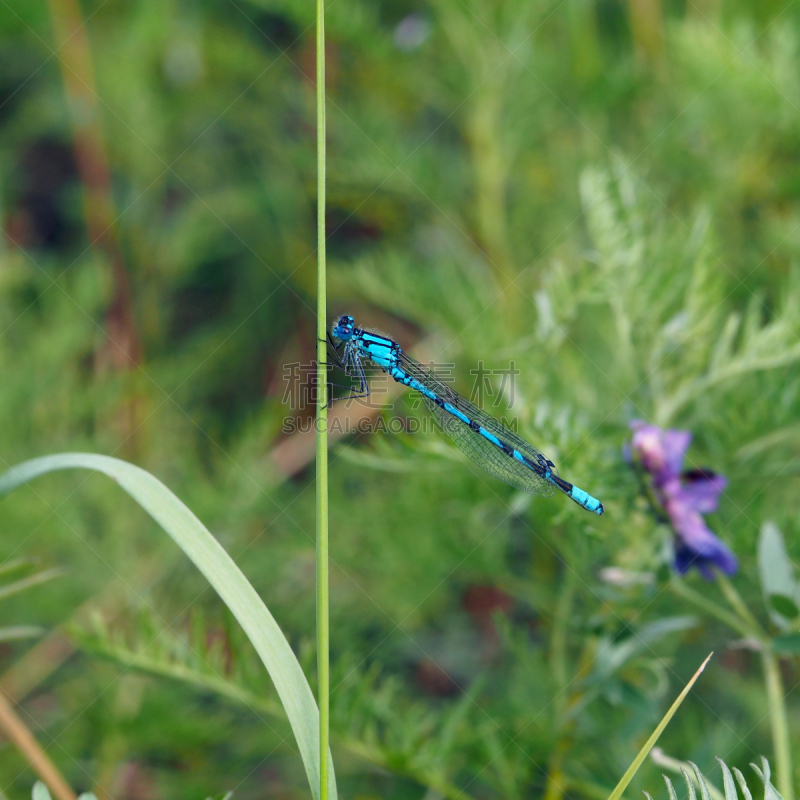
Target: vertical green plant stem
{"x":740,"y":607}
{"x":744,"y":622}
{"x":779,"y":723}
{"x":776,"y":697}
{"x":323,"y":636}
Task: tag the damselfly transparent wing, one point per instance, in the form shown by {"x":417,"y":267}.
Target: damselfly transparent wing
{"x":479,"y":449}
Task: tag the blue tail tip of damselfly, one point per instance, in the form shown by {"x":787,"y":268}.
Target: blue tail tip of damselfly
{"x":583,"y":499}
{"x":592,"y":504}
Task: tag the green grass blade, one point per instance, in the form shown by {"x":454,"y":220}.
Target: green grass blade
{"x":650,"y":743}
{"x":32,"y":580}
{"x":223,"y":574}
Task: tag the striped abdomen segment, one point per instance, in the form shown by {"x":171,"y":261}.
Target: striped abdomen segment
{"x":401,"y":376}
{"x":576,"y":494}
{"x":582,"y":498}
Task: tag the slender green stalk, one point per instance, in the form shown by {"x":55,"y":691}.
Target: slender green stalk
{"x":745,"y":623}
{"x":323,"y":636}
{"x":740,"y":607}
{"x":776,"y":701}
{"x":679,"y":587}
{"x":776,"y":697}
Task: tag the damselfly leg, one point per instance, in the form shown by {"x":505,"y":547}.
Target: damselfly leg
{"x":352,"y":367}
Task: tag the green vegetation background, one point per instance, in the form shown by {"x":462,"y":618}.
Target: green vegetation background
{"x":607,"y":194}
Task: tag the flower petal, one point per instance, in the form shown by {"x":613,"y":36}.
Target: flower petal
{"x":648,"y":446}
{"x":697,"y":545}
{"x":660,"y":452}
{"x":685,"y":496}
{"x":676,"y":443}
{"x":701,"y":488}
{"x":685,"y":559}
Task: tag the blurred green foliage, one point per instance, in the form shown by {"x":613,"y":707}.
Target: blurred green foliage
{"x":611,"y":200}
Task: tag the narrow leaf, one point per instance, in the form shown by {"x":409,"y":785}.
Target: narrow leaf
{"x":17,"y":565}
{"x":648,"y":746}
{"x":32,"y":580}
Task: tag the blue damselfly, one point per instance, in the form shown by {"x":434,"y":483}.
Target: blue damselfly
{"x":488,"y":442}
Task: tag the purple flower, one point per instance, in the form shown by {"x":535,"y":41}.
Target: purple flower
{"x":660,"y":452}
{"x":685,"y":497}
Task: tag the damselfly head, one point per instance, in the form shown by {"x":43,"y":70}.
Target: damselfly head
{"x":343,"y":329}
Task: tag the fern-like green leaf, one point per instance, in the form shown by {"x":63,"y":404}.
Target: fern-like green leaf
{"x":770,"y":792}
{"x":727,"y":781}
{"x":673,"y":795}
{"x":707,"y":791}
{"x":701,"y":782}
{"x":742,"y":784}
{"x":689,"y":784}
